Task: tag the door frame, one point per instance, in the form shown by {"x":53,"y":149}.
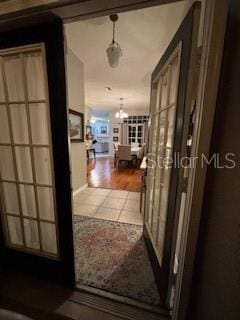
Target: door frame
{"x":184,"y":43}
{"x":213,"y":24}
{"x":73,"y":10}
{"x":214,"y":21}
{"x":60,"y":270}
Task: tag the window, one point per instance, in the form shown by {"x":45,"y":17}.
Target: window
{"x":137,"y":129}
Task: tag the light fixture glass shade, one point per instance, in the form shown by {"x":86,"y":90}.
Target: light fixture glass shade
{"x":121,"y":114}
{"x":114,"y":52}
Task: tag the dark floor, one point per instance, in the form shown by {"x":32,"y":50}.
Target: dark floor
{"x":33,"y":297}
{"x":42,"y":300}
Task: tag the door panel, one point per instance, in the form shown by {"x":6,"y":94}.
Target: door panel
{"x":30,"y":163}
{"x":35,"y":187}
{"x":162,"y":133}
{"x":169,"y":107}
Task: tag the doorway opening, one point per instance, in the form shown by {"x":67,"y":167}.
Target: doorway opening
{"x":21,"y":241}
{"x":110,"y":195}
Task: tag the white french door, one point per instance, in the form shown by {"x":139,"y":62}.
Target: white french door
{"x":135,"y":133}
{"x":26,"y":163}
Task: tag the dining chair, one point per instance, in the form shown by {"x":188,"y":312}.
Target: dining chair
{"x":141,"y":153}
{"x":124,"y":154}
{"x":115,"y":146}
{"x":134,"y":144}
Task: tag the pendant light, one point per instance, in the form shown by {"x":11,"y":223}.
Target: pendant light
{"x":121,"y":114}
{"x":114,"y":51}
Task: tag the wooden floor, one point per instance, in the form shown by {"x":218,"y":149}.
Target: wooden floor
{"x":43,"y":300}
{"x":102,"y":174}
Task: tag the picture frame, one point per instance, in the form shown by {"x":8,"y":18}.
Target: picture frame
{"x":88,"y":130}
{"x":115,"y":130}
{"x":76,"y":126}
{"x":103,"y":130}
{"x":115,"y":139}
{"x":89,"y":133}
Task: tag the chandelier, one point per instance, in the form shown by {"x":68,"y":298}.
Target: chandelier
{"x":121,"y":114}
{"x":114,"y":51}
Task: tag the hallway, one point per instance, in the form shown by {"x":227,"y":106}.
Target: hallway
{"x":114,"y":205}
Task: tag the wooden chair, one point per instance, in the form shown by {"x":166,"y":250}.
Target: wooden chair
{"x":134,"y":144}
{"x":141,"y":153}
{"x":115,"y":146}
{"x":124,"y":154}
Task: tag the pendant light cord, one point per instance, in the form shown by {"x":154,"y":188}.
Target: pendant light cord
{"x":113,"y":41}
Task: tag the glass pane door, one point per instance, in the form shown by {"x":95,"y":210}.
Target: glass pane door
{"x":163,"y":111}
{"x":26,"y":164}
{"x":135,"y":134}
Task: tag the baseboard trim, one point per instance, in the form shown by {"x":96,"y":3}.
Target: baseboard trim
{"x":80,"y":189}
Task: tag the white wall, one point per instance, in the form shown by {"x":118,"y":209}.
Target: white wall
{"x":88,"y":114}
{"x":76,"y":101}
{"x":113,"y":123}
{"x":97,"y":127}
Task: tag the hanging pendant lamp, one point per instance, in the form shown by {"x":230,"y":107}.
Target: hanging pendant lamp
{"x":114,"y":51}
{"x":121,"y":114}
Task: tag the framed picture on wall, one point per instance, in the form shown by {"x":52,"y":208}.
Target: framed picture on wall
{"x":76,"y":126}
{"x":104,"y":130}
{"x":89,"y":133}
{"x":88,"y":130}
{"x":115,"y":139}
{"x":115,"y":130}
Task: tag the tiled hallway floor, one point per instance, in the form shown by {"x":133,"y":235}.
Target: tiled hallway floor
{"x":107,"y":204}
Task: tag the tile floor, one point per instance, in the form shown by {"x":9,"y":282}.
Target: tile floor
{"x":107,"y":204}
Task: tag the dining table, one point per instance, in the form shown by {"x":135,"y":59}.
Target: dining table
{"x":135,"y":151}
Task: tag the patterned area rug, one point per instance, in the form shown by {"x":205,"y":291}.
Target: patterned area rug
{"x":112,"y":256}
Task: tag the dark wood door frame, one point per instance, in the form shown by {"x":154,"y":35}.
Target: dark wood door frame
{"x":214,"y":28}
{"x":75,"y":9}
{"x":51,"y":34}
{"x":27,"y":17}
{"x":14,"y":27}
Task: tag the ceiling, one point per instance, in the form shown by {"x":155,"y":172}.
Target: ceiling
{"x":143,"y":35}
{"x":101,"y":115}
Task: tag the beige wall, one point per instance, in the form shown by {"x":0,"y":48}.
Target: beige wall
{"x":75,"y":88}
{"x":88,"y":114}
{"x":113,"y":123}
